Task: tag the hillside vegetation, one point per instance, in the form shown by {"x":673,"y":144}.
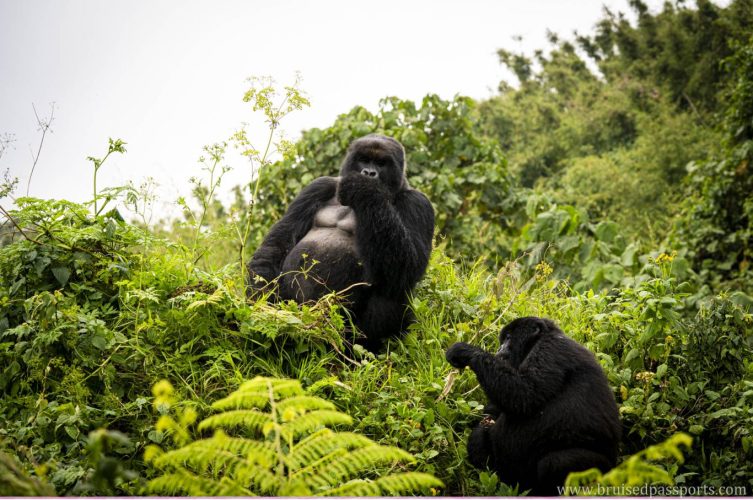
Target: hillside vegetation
{"x":609,"y":190}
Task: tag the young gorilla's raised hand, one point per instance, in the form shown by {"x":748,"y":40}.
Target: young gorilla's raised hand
{"x":551,"y":411}
{"x":366,"y":231}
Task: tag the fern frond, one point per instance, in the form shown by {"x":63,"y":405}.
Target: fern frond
{"x":151,"y":452}
{"x":259,"y":452}
{"x":312,"y":421}
{"x":312,"y":470}
{"x":183,"y":482}
{"x":305,"y":403}
{"x":360,"y":462}
{"x":201,"y":456}
{"x":407,"y":482}
{"x":321,"y":443}
{"x":281,"y":388}
{"x":354,"y":488}
{"x":255,"y":393}
{"x":251,"y":420}
{"x":392,"y":485}
{"x":262,"y":479}
{"x":243,"y":400}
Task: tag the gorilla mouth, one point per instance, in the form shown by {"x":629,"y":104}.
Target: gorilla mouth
{"x":487,"y":421}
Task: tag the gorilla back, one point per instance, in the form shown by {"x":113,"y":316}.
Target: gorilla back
{"x":366,"y":231}
{"x":551,"y":411}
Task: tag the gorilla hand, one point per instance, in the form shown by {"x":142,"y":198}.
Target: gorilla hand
{"x":460,"y":354}
{"x":357,"y":189}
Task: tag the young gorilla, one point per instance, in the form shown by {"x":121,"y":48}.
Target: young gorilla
{"x":551,"y":411}
{"x":366,"y":231}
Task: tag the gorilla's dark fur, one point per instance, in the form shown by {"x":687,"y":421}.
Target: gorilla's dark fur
{"x":365,"y":231}
{"x":551,"y":411}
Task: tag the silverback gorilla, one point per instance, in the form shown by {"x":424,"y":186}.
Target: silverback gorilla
{"x":551,"y":411}
{"x":366,"y":231}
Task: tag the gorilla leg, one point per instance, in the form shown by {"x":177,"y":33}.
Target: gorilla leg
{"x":382,"y":318}
{"x":552,"y":469}
{"x":480,"y":452}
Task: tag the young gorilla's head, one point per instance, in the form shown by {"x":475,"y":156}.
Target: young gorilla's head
{"x":521,"y":335}
{"x":379,"y":157}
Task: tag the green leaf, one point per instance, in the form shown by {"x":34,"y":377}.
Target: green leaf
{"x":71,"y":431}
{"x":61,"y":274}
{"x":99,"y":342}
{"x":606,"y":231}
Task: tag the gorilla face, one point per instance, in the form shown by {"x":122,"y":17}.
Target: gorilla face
{"x":521,"y":336}
{"x":378,"y":157}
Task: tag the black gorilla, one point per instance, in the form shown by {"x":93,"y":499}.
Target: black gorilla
{"x":367,"y":232}
{"x":551,"y":411}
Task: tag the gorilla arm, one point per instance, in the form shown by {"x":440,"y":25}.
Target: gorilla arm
{"x":393,"y":234}
{"x":516,"y":391}
{"x":288,"y":231}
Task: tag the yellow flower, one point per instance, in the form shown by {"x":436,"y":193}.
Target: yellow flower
{"x":543,"y":270}
{"x":664,"y":258}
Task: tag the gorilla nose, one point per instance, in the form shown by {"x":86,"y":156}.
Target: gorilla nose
{"x":369,"y":172}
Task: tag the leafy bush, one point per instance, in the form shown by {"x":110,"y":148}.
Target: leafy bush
{"x":93,"y":310}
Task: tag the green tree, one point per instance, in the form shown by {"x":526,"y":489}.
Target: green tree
{"x":716,"y":226}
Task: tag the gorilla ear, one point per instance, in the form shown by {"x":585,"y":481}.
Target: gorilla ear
{"x":540,"y":326}
{"x":548,"y":326}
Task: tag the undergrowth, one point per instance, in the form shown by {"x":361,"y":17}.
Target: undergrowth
{"x":94,"y":311}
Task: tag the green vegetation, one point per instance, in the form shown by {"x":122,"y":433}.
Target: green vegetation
{"x":636,"y":471}
{"x":290,"y":451}
{"x":617,"y":204}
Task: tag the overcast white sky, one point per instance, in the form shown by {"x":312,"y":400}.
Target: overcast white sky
{"x":168,"y":76}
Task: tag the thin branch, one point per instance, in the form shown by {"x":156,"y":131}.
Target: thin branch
{"x":44,"y":126}
{"x":695,"y":110}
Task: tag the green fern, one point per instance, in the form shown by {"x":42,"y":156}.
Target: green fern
{"x":281,"y":444}
{"x":642,"y":468}
{"x":394,"y":484}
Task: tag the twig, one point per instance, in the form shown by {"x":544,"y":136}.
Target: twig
{"x":44,"y":126}
{"x":449,"y":381}
{"x":695,"y":110}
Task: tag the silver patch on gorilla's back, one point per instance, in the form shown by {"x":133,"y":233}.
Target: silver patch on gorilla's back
{"x":335,"y":215}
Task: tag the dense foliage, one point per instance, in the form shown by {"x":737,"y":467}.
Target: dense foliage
{"x":617,"y":203}
{"x":616,"y":141}
{"x":716,"y":226}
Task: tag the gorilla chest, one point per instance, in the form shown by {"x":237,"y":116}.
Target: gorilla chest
{"x":326,"y":258}
{"x":334,"y":221}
